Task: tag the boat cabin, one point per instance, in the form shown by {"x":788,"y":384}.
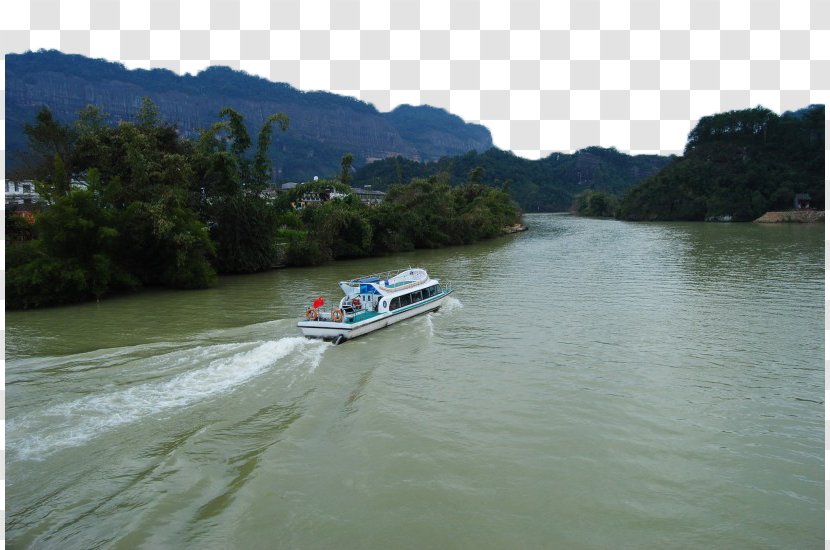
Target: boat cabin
{"x":383,"y":293}
{"x":373,"y":302}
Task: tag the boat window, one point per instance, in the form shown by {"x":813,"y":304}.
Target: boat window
{"x":395,"y":304}
{"x":406,"y":300}
{"x":416,"y":296}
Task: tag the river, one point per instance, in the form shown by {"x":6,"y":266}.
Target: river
{"x":590,"y":384}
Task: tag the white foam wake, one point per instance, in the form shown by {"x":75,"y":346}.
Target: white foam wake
{"x":70,"y":424}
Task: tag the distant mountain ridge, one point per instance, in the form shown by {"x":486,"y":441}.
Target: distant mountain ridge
{"x":323,"y":126}
{"x":548,"y":184}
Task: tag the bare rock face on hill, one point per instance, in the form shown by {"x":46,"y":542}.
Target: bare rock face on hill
{"x":323,"y":126}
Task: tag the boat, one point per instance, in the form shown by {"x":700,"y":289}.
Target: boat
{"x":374,"y":301}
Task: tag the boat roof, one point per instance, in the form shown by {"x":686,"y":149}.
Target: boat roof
{"x":389,"y":281}
{"x":384,"y":276}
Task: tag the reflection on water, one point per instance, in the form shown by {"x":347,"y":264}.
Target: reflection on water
{"x":591,"y":384}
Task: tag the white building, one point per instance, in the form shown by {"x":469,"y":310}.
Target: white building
{"x":21,"y":194}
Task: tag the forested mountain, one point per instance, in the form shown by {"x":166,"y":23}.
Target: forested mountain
{"x":548,"y":184}
{"x":324,"y":126}
{"x":737,"y":165}
{"x":414,"y":141}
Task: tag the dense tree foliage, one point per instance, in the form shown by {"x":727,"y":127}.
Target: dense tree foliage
{"x":137,"y":204}
{"x":242,"y":222}
{"x":425,"y":213}
{"x":125,"y":208}
{"x":737,"y":165}
{"x":595,"y":204}
{"x":548,"y":184}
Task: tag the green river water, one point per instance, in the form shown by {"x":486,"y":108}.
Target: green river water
{"x":590,"y":384}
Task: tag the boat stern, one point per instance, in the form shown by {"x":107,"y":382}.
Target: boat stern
{"x":326,"y":330}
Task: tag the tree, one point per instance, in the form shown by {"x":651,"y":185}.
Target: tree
{"x":345,"y":168}
{"x":159,"y":209}
{"x":243,"y":224}
{"x":147,"y":117}
{"x":49,"y":159}
{"x":57,"y":183}
{"x":46,"y":138}
{"x":165,"y":243}
{"x":18,"y":228}
{"x":74,"y":258}
{"x":239,"y":141}
{"x":736,"y":165}
{"x":131,"y":226}
{"x":262,"y":163}
{"x":244,"y":230}
{"x":595,"y":204}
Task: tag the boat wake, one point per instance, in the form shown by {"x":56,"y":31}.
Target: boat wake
{"x":193,"y":376}
{"x":430,"y":327}
{"x":451,"y":304}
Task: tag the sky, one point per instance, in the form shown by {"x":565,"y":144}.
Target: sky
{"x":542,"y":76}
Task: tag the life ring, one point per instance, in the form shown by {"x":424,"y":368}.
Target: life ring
{"x":311,"y":314}
{"x":337,"y":315}
{"x":356,"y":303}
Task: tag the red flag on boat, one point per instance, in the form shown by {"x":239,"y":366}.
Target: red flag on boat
{"x":318,"y":302}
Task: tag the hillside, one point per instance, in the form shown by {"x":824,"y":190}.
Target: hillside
{"x":737,"y":165}
{"x":323,"y":126}
{"x":548,"y":184}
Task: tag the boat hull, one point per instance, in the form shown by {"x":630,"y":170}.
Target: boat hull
{"x":329,"y":330}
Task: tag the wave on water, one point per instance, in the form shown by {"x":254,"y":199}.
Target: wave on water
{"x":451,"y":304}
{"x":81,"y":361}
{"x":265,"y":328}
{"x":430,"y":328}
{"x":109,"y":357}
{"x":37,"y":434}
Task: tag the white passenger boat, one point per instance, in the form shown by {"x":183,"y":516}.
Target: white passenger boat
{"x":373,"y":302}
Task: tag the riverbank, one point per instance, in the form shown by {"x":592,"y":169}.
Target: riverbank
{"x":793,"y":216}
{"x":516,"y":228}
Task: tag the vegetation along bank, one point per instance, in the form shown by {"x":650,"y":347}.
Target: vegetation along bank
{"x":736,"y":166}
{"x":136,"y":204}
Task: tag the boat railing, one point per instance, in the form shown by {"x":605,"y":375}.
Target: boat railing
{"x":320,"y":314}
{"x":326,"y":313}
{"x":382,"y":276}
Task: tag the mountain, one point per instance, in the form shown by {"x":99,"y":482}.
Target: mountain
{"x":548,"y":184}
{"x":323,"y":126}
{"x":737,"y":166}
